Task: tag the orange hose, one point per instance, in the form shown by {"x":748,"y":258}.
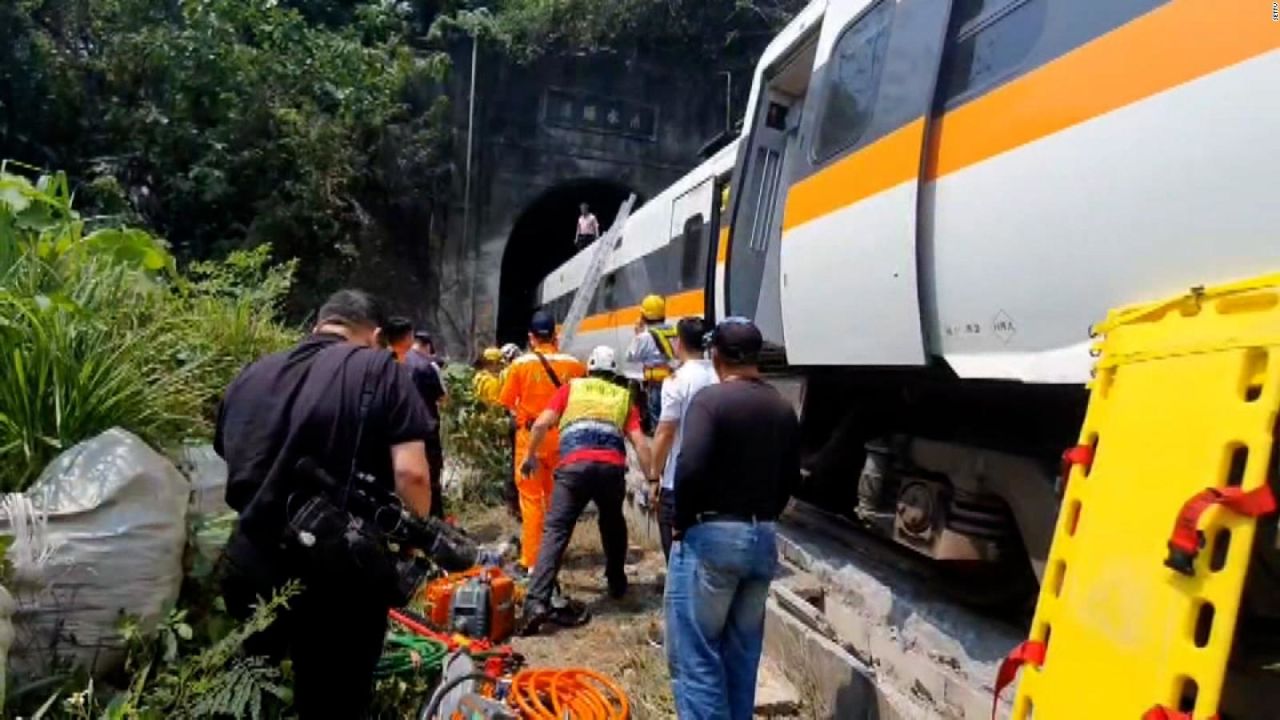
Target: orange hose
{"x":583,"y":694}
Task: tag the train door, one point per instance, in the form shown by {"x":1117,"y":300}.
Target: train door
{"x":751,"y":290}
{"x":719,"y":235}
{"x":688,"y":249}
{"x":848,"y":263}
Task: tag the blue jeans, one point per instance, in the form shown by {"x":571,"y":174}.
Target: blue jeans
{"x":653,"y":406}
{"x":717,"y":584}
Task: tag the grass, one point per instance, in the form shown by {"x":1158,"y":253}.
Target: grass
{"x":99,"y":329}
{"x":616,"y":642}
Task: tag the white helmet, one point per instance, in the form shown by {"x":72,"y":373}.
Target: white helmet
{"x":510,"y":352}
{"x":602,"y":360}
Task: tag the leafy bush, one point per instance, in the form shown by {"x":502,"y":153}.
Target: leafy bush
{"x":476,"y":437}
{"x":99,"y":330}
{"x":174,"y":673}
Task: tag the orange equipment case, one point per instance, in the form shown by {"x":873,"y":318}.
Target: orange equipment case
{"x":438,"y":597}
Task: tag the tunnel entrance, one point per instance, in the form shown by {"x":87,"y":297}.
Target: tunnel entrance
{"x":541,"y":240}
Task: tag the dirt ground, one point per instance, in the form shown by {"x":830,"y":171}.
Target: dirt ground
{"x":620,"y":639}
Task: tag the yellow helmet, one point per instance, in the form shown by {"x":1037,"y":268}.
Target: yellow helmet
{"x":492,"y":354}
{"x":653,"y":308}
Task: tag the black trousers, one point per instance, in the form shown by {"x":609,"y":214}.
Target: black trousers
{"x":577,"y":485}
{"x":666,"y":520}
{"x":332,"y":632}
{"x":435,"y":463}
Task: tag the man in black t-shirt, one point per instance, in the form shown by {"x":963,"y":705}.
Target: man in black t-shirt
{"x":424,"y":369}
{"x":739,"y":463}
{"x":306,"y":402}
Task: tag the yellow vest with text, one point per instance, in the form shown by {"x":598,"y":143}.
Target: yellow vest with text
{"x":594,"y":399}
{"x":594,"y":419}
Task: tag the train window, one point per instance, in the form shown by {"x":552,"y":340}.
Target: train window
{"x":854,"y":80}
{"x":691,"y":259}
{"x":989,"y":40}
{"x":608,"y":299}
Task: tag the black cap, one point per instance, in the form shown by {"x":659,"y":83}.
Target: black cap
{"x":737,"y":339}
{"x":542,"y":324}
{"x":422,"y":336}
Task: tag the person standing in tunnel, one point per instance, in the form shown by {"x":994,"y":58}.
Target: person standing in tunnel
{"x":588,"y":227}
{"x":531,"y":381}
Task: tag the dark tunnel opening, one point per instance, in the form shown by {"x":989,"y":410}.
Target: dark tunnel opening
{"x":541,"y":240}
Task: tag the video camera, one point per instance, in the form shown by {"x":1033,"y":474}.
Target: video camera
{"x":446,"y":546}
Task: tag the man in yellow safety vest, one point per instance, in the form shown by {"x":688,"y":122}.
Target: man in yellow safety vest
{"x":596,"y":417}
{"x":654,"y":351}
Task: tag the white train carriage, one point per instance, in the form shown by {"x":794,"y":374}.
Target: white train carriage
{"x":665,"y":249}
{"x":932,"y":202}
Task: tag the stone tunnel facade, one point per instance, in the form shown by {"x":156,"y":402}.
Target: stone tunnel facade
{"x":549,"y":135}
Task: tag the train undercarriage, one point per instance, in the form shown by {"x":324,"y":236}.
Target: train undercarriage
{"x":965,"y":473}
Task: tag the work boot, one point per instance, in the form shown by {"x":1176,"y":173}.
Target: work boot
{"x":558,"y":600}
{"x":574,"y":614}
{"x":618,"y":588}
{"x":536,"y":614}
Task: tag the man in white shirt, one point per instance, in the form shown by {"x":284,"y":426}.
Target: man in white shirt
{"x":695,"y":372}
{"x":588,"y":227}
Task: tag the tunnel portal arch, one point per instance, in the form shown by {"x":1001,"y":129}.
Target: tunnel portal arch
{"x":541,"y":239}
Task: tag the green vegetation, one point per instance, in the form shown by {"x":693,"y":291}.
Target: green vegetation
{"x":100,"y":330}
{"x":200,"y":138}
{"x":321,"y":127}
{"x":176,"y":673}
{"x":477,"y":439}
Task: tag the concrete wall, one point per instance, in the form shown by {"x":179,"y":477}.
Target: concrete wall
{"x":528,"y":142}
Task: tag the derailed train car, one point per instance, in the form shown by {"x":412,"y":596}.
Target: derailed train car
{"x":932,"y":201}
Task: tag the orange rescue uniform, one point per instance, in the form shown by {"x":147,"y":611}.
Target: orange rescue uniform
{"x":526,"y":390}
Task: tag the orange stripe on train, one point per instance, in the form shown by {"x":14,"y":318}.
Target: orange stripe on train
{"x":1165,"y":48}
{"x":691,"y":302}
{"x":889,"y":161}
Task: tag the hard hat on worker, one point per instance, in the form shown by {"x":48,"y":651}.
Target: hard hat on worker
{"x":510,"y":352}
{"x":492,"y":354}
{"x":602,"y":360}
{"x":653,"y":308}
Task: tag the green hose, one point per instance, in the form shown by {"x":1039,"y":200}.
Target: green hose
{"x":406,"y":654}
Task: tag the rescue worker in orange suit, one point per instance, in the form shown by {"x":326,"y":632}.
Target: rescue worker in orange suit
{"x":653,"y":350}
{"x":531,"y":381}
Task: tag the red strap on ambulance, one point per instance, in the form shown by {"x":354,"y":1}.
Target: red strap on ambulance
{"x":1078,"y":455}
{"x":1186,"y":540}
{"x":1161,"y":712}
{"x":1027,"y":653}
